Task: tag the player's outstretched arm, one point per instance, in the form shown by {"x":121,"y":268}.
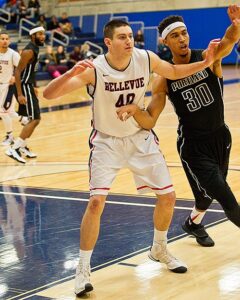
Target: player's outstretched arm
{"x":174,"y":72}
{"x":80,"y":75}
{"x":232,"y":34}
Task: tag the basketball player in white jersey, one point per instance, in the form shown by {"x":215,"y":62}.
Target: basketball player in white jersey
{"x":9,"y":59}
{"x":113,"y":80}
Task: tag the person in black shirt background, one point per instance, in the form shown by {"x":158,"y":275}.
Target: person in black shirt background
{"x":28,"y":101}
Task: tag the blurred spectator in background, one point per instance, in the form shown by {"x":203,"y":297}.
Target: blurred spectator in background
{"x":34,"y":8}
{"x":75,"y":56}
{"x":12,"y":9}
{"x":163,"y":50}
{"x":42,"y":22}
{"x":61,"y":58}
{"x":139,"y":39}
{"x":66,"y":25}
{"x":86,"y":53}
{"x":53,"y":24}
{"x":48,"y":63}
{"x":21,"y":10}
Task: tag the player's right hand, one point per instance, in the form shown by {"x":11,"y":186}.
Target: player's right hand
{"x":234,"y":14}
{"x":80,"y":67}
{"x":22,"y":99}
{"x":211,"y":51}
{"x":126,"y":111}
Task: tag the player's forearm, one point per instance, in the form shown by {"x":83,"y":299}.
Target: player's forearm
{"x":233,"y":33}
{"x":56,"y":87}
{"x":144,"y":119}
{"x":18,"y":82}
{"x":181,"y":71}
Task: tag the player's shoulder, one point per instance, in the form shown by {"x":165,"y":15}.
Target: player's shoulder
{"x":99,"y":60}
{"x":10,"y":51}
{"x":14,"y":52}
{"x":140,"y":52}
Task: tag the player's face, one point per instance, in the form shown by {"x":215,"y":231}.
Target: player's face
{"x":178,"y":41}
{"x":122,"y":42}
{"x":40,"y":38}
{"x":4,"y":41}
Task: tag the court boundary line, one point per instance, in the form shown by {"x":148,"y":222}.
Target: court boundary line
{"x":87,"y":200}
{"x":106,"y":264}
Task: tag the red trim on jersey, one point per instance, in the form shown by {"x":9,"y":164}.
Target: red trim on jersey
{"x":93,"y":137}
{"x":156,"y":140}
{"x":91,"y":152}
{"x":158,"y":189}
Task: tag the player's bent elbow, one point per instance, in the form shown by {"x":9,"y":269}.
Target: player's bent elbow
{"x":149,"y":125}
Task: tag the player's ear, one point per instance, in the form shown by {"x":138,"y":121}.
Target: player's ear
{"x":165,"y":42}
{"x":107,"y":41}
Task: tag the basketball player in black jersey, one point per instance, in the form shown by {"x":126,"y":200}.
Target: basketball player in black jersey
{"x":28,"y":101}
{"x":204,"y":140}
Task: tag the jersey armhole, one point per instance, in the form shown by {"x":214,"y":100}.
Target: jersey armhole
{"x":149,"y":66}
{"x":91,"y":88}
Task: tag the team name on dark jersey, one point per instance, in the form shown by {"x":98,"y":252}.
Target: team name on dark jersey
{"x":180,"y":84}
{"x":125,"y":85}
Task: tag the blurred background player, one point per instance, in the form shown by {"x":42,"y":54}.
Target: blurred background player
{"x":28,"y":101}
{"x":9,"y":59}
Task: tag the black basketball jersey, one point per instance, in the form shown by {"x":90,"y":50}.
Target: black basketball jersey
{"x":28,"y":74}
{"x":198,"y":101}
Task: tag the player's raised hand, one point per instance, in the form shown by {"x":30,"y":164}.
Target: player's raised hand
{"x":126,"y":111}
{"x":234,"y":14}
{"x":211,"y":51}
{"x":80,"y":67}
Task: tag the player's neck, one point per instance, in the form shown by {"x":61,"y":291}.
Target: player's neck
{"x":181,"y":59}
{"x":118,"y":62}
{"x":3,"y":50}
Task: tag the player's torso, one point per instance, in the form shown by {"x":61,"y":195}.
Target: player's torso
{"x":198,"y":100}
{"x":6,"y":66}
{"x":115,"y":88}
{"x":28,"y":74}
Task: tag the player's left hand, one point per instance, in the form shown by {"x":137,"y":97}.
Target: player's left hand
{"x":234,"y":14}
{"x":126,"y":111}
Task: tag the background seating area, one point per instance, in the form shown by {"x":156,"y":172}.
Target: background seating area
{"x":64,"y":30}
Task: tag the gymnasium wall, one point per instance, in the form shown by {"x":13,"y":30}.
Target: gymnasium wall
{"x":206,"y":19}
{"x":114,"y":6}
{"x":203,"y":24}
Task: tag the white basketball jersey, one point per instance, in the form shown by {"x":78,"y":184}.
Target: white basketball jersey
{"x":114,"y":89}
{"x":8,"y":61}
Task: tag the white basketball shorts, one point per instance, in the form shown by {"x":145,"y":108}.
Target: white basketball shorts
{"x":139,"y":152}
{"x":7,"y":100}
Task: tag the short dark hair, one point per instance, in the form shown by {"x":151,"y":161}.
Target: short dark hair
{"x":167,"y":21}
{"x":111,"y":25}
{"x":4,"y":32}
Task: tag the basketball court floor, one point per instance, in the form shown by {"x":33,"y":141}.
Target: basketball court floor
{"x":42,"y":203}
